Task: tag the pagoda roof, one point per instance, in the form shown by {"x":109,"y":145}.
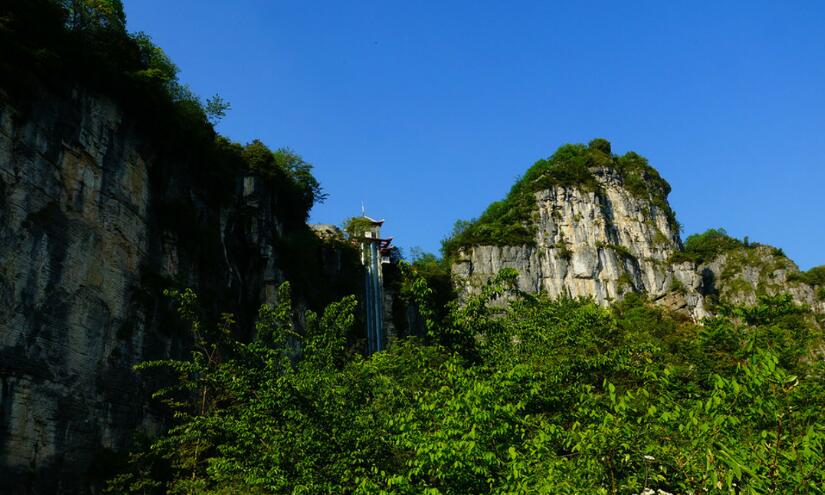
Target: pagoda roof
{"x":384,"y":243}
{"x":373,"y":221}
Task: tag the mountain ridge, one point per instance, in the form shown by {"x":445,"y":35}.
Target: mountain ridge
{"x":598,"y":227}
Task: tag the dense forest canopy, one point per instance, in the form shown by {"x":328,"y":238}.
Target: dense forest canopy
{"x":531,"y":396}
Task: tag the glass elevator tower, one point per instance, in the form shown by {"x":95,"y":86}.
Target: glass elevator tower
{"x":374,"y":253}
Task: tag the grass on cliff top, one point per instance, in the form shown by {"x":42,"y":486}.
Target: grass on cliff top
{"x":511,"y":220}
{"x":815,"y":277}
{"x":704,"y":247}
{"x":707,"y":246}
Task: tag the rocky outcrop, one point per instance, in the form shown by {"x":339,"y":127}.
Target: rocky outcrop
{"x":741,"y":275}
{"x":94,"y":223}
{"x":607,"y":242}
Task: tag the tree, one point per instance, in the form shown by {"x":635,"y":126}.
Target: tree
{"x":600,"y":144}
{"x":301,"y":172}
{"x":511,"y":395}
{"x":216,"y":108}
{"x":95,"y":14}
{"x":158,"y":66}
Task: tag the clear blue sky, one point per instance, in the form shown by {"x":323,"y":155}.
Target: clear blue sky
{"x":428,"y":111}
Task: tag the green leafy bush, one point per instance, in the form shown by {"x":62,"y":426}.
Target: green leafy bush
{"x":289,"y":175}
{"x":512,"y":220}
{"x":814,"y":277}
{"x":437,"y":273}
{"x":708,"y":245}
{"x":357,"y":226}
{"x":532,"y":396}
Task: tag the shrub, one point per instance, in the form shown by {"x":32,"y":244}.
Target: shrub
{"x":814,"y":277}
{"x":600,"y":144}
{"x":707,"y":246}
{"x":532,"y":396}
{"x":357,"y":226}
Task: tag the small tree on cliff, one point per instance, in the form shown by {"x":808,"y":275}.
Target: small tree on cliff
{"x":216,"y":108}
{"x":95,"y":14}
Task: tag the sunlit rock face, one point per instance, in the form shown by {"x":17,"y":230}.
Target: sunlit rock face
{"x":607,"y":243}
{"x":93,"y":225}
{"x":742,"y":275}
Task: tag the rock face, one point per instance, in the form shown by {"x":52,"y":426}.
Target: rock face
{"x":93,"y":225}
{"x":606,"y":243}
{"x":743,"y":274}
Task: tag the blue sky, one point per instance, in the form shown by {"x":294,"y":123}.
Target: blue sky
{"x":428,"y":111}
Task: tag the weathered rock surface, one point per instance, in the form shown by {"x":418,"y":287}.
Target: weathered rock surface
{"x":743,"y":274}
{"x":93,"y":224}
{"x":606,"y":243}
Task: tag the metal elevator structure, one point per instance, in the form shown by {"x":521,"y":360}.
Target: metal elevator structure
{"x":374,"y":254}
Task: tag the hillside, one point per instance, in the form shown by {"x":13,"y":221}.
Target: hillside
{"x":170,"y":324}
{"x":588,"y":223}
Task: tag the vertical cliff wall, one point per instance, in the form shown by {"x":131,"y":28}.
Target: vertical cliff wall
{"x":607,"y":241}
{"x":600,"y":243}
{"x":94,"y":223}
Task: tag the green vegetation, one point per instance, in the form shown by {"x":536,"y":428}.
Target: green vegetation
{"x":763,"y":261}
{"x":704,"y":247}
{"x":512,"y":220}
{"x":436,"y":273}
{"x":357,"y":226}
{"x":321,"y":269}
{"x":708,"y":245}
{"x":766,"y":260}
{"x":625,"y":282}
{"x":618,"y":248}
{"x":564,"y":250}
{"x":506,"y":393}
{"x":814,"y":277}
{"x":62,"y":46}
{"x":285,"y":171}
{"x":533,"y":396}
{"x":677,"y":285}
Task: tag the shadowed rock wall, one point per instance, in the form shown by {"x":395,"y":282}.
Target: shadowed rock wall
{"x":93,"y":225}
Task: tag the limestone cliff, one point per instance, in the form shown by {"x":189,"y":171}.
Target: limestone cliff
{"x":94,"y":223}
{"x":605,"y":241}
{"x":742,"y":274}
